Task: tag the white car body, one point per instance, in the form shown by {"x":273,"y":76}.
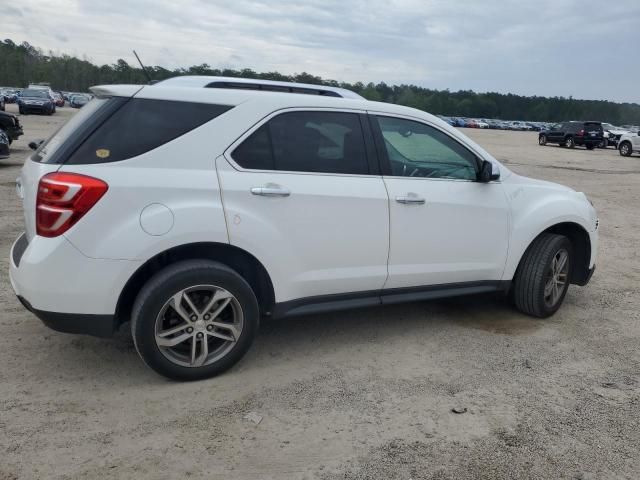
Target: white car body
{"x":631,"y":139}
{"x":334,"y":234}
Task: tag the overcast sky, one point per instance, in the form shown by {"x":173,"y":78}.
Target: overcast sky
{"x":580,"y":48}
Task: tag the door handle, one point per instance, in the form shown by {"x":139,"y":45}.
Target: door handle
{"x":411,"y":199}
{"x":270,"y":191}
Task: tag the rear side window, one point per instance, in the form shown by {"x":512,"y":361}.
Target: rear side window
{"x":318,"y":142}
{"x":141,"y":125}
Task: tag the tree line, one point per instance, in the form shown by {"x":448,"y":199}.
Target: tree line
{"x":21,"y":64}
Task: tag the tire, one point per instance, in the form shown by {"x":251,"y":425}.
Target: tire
{"x":590,"y":146}
{"x":569,"y":142}
{"x":153,"y":317}
{"x":542,"y":140}
{"x":625,"y":149}
{"x":531,"y":294}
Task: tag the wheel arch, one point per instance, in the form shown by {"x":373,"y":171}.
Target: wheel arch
{"x":581,"y":243}
{"x":244,"y":263}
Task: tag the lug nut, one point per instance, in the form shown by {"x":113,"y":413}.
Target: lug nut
{"x":193,"y":318}
{"x":200,"y":334}
{"x":207,"y":316}
{"x":189,"y":330}
{"x":209,"y":327}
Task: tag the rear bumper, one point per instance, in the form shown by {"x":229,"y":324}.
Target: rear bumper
{"x":88,"y":324}
{"x":68,"y":291}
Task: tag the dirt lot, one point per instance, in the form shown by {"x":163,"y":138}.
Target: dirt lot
{"x":356,"y":395}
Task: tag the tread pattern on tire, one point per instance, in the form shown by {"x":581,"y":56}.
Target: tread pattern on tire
{"x":529,"y":278}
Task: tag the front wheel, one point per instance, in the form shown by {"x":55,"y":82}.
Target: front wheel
{"x":542,"y":140}
{"x":194,"y":320}
{"x":625,"y":149}
{"x":569,"y":142}
{"x":543,"y":276}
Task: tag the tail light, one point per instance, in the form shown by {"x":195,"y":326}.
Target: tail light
{"x":63,"y":199}
{"x":581,"y":133}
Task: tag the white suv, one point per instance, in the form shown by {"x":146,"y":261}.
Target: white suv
{"x":629,"y":143}
{"x":196,"y":206}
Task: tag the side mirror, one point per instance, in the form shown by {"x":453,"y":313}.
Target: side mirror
{"x":35,"y":144}
{"x":486,"y":173}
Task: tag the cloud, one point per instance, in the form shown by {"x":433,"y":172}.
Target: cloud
{"x":544,"y":47}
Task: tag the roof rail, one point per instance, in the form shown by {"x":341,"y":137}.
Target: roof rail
{"x":234,"y":83}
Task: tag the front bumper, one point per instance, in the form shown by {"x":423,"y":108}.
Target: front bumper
{"x":68,"y":291}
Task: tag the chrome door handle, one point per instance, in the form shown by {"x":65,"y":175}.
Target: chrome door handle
{"x":271,"y":191}
{"x":410,"y":200}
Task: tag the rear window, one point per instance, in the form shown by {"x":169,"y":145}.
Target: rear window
{"x":50,"y":151}
{"x":589,"y":126}
{"x":141,"y":125}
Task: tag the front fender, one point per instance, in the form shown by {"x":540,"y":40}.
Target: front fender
{"x":532,"y":214}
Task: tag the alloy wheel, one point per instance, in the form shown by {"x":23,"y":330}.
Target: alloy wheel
{"x":557,"y":278}
{"x":198,"y":325}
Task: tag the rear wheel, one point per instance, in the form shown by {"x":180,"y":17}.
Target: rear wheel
{"x":569,"y":142}
{"x":625,"y":149}
{"x":542,"y":140}
{"x":194,"y":320}
{"x":590,"y":146}
{"x":542,"y":278}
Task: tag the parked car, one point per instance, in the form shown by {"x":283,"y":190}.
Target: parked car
{"x":520,"y":126}
{"x":570,"y":134}
{"x":311,"y":221}
{"x":4,"y":145}
{"x":78,"y":101}
{"x":471,"y":123}
{"x":3,"y":101}
{"x":10,"y":126}
{"x":482,"y":124}
{"x":459,"y":122}
{"x":35,"y":100}
{"x":449,"y":120}
{"x":611,"y":135}
{"x":629,"y":143}
{"x":58,"y":99}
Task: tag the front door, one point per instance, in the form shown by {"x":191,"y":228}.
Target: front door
{"x":445,"y":227}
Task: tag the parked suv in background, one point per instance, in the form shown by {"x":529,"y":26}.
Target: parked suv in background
{"x":629,"y":143}
{"x":196,"y":206}
{"x":570,"y":134}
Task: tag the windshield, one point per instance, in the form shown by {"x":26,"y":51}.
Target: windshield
{"x":35,"y":93}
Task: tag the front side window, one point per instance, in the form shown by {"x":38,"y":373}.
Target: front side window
{"x":418,"y":150}
{"x":318,"y":142}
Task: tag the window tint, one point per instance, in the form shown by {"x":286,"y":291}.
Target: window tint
{"x":418,"y":150}
{"x":321,"y":142}
{"x":141,"y":125}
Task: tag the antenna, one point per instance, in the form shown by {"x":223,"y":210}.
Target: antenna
{"x":143,"y":68}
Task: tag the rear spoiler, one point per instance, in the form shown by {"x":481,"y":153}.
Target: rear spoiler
{"x":116,"y":90}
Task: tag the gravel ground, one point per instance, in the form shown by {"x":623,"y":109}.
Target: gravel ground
{"x":365,"y":394}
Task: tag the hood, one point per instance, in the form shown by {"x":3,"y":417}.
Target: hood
{"x":515,"y":179}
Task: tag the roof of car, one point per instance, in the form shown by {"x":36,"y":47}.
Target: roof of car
{"x":202,"y":81}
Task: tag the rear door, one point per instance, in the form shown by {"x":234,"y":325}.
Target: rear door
{"x":302,"y":192}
